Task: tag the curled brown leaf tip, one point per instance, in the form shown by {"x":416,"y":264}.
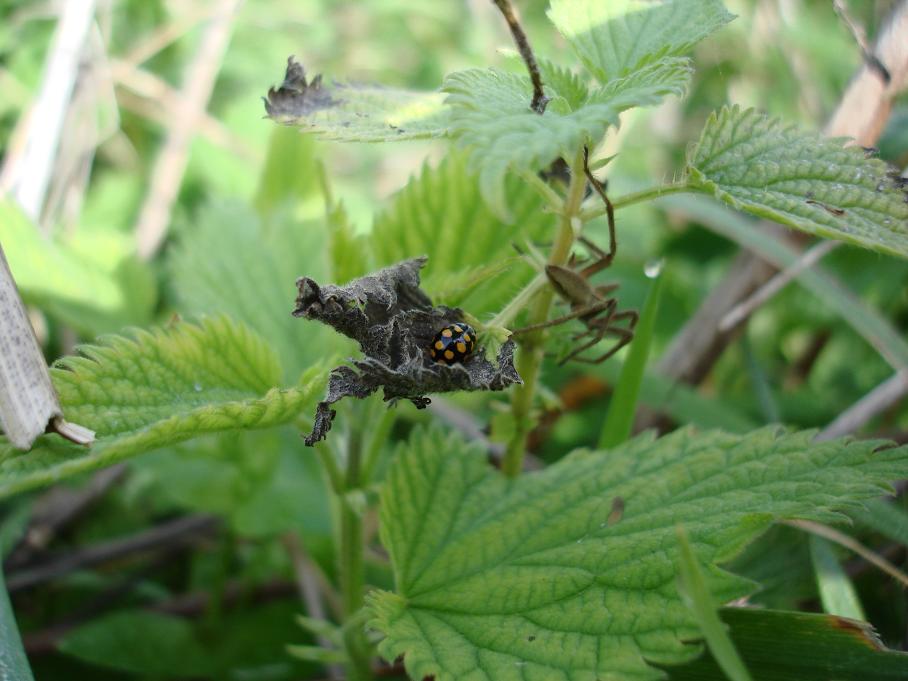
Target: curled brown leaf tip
{"x":296,"y":97}
{"x":394,"y":322}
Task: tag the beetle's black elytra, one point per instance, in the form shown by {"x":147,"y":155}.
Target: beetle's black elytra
{"x":453,"y":343}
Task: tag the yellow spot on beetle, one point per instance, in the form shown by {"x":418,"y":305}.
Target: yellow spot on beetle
{"x":449,"y":354}
{"x":466,"y":337}
{"x":462,"y":348}
{"x":447,"y":333}
{"x":439,"y":345}
{"x":458,"y":329}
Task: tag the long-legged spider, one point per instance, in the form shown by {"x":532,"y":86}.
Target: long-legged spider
{"x":591,"y":305}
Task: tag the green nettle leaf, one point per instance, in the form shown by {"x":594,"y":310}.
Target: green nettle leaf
{"x":229,"y":262}
{"x":615,"y":38}
{"x":93,"y":282}
{"x":161,"y":387}
{"x":647,"y":85}
{"x":564,"y":83}
{"x":290,"y":172}
{"x":491,"y":114}
{"x":147,"y":643}
{"x":544,"y":577}
{"x":256,"y":480}
{"x":355,"y":113}
{"x":801,"y":179}
{"x":472,"y":262}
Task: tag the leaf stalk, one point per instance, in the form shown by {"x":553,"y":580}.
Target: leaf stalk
{"x":637,"y":197}
{"x":530,"y":358}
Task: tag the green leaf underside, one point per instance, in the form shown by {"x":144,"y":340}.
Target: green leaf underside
{"x":440,"y":213}
{"x":491,"y":115}
{"x":617,"y":37}
{"x":804,"y":180}
{"x":156,"y":389}
{"x":534,"y":578}
{"x":363,"y":113}
{"x":797,"y":646}
{"x":563,"y":83}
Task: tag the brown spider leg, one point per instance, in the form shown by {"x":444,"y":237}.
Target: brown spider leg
{"x":633,"y":315}
{"x":594,"y":322}
{"x":601,"y":330}
{"x":601,"y":259}
{"x":594,"y":308}
{"x":595,"y":330}
{"x":626,"y":337}
{"x":610,"y":214}
{"x":605,"y":289}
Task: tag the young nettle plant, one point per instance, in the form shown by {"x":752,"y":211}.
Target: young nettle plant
{"x":605,"y":565}
{"x":538,"y":577}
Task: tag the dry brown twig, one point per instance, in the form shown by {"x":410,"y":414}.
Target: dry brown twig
{"x":164,"y":536}
{"x":167,"y":174}
{"x":235,"y":594}
{"x":310,"y":590}
{"x":884,"y":396}
{"x":851,"y":544}
{"x":526,"y":52}
{"x":747,"y":307}
{"x":152,"y":97}
{"x":165,"y":35}
{"x":56,"y":510}
{"x":92,"y":117}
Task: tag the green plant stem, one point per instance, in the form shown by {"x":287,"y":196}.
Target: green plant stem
{"x":519,"y":302}
{"x":383,"y":424}
{"x":351,"y":575}
{"x":350,"y":550}
{"x":636,"y":197}
{"x":552,"y":198}
{"x":326,"y":454}
{"x":531,"y":351}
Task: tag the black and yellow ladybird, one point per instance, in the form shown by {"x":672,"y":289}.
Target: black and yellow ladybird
{"x":453,"y":343}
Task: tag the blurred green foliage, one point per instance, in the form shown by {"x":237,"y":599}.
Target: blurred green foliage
{"x":253,"y":215}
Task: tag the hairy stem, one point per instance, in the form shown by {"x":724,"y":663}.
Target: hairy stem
{"x":381,"y":420}
{"x":519,"y":302}
{"x":636,"y":197}
{"x":523,"y":45}
{"x":350,"y":563}
{"x":551,"y":197}
{"x":531,"y":349}
{"x":326,"y":454}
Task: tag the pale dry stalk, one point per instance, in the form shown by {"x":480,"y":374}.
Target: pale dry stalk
{"x":167,"y":175}
{"x":27,"y":172}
